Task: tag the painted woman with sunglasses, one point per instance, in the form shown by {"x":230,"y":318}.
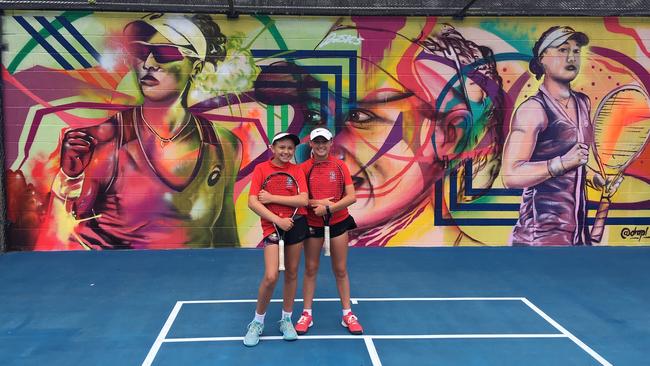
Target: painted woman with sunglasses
{"x":154,"y":176}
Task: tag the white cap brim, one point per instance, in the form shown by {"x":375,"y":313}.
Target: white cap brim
{"x":557,"y":38}
{"x":178,"y":30}
{"x":322,"y":132}
{"x":282,"y":135}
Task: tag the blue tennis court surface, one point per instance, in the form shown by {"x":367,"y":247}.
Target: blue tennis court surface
{"x":459,"y":319}
{"x":419,"y":306}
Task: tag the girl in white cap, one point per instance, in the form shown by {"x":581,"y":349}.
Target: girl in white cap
{"x":283,"y":146}
{"x":341,"y":221}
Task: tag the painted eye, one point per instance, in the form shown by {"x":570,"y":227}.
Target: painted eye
{"x":313,"y":117}
{"x":359,"y":116}
{"x":214,"y":176}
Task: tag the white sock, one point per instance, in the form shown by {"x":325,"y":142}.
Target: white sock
{"x":346,"y":311}
{"x":285,"y":314}
{"x":259,"y":317}
{"x":308,"y":311}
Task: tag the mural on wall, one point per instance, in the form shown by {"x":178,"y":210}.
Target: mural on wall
{"x":141,"y":130}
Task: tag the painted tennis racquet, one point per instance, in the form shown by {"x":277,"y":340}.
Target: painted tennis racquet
{"x":621,"y":130}
{"x":281,"y":184}
{"x":325,"y":180}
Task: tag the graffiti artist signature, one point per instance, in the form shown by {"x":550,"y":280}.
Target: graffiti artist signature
{"x":342,"y":38}
{"x":638,"y":234}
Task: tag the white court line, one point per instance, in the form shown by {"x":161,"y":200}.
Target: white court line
{"x":575,"y":340}
{"x":438,"y":298}
{"x":378,"y":336}
{"x":162,"y":335}
{"x":247,"y":300}
{"x":368,"y":339}
{"x":357,"y":299}
{"x":372,"y":351}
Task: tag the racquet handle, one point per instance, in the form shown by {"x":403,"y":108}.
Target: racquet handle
{"x":281,"y":255}
{"x":326,"y":242}
{"x":599,"y":225}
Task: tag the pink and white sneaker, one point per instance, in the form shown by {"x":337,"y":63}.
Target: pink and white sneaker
{"x":303,"y":324}
{"x":351,"y":322}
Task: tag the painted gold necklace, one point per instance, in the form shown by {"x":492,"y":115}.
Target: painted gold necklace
{"x":165,"y":140}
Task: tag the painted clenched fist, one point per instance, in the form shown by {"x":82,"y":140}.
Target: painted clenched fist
{"x":76,"y":152}
{"x":576,"y":157}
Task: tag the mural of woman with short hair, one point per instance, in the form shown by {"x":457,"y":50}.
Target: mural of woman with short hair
{"x":547,"y":148}
{"x":154,"y":176}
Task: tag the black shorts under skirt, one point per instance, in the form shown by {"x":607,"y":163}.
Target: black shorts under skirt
{"x":297,"y":233}
{"x":335,"y":230}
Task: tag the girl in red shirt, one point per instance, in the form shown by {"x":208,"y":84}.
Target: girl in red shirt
{"x":283,"y":146}
{"x":340,"y":223}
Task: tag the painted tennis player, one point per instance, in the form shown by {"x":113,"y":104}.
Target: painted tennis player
{"x":155,"y":175}
{"x":547,"y":148}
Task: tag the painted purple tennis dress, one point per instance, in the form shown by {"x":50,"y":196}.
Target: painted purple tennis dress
{"x":554,"y":212}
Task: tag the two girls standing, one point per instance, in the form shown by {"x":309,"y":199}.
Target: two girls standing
{"x":306,"y":224}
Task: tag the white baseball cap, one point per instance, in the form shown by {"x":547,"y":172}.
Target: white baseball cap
{"x":320,"y":132}
{"x":281,"y":135}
